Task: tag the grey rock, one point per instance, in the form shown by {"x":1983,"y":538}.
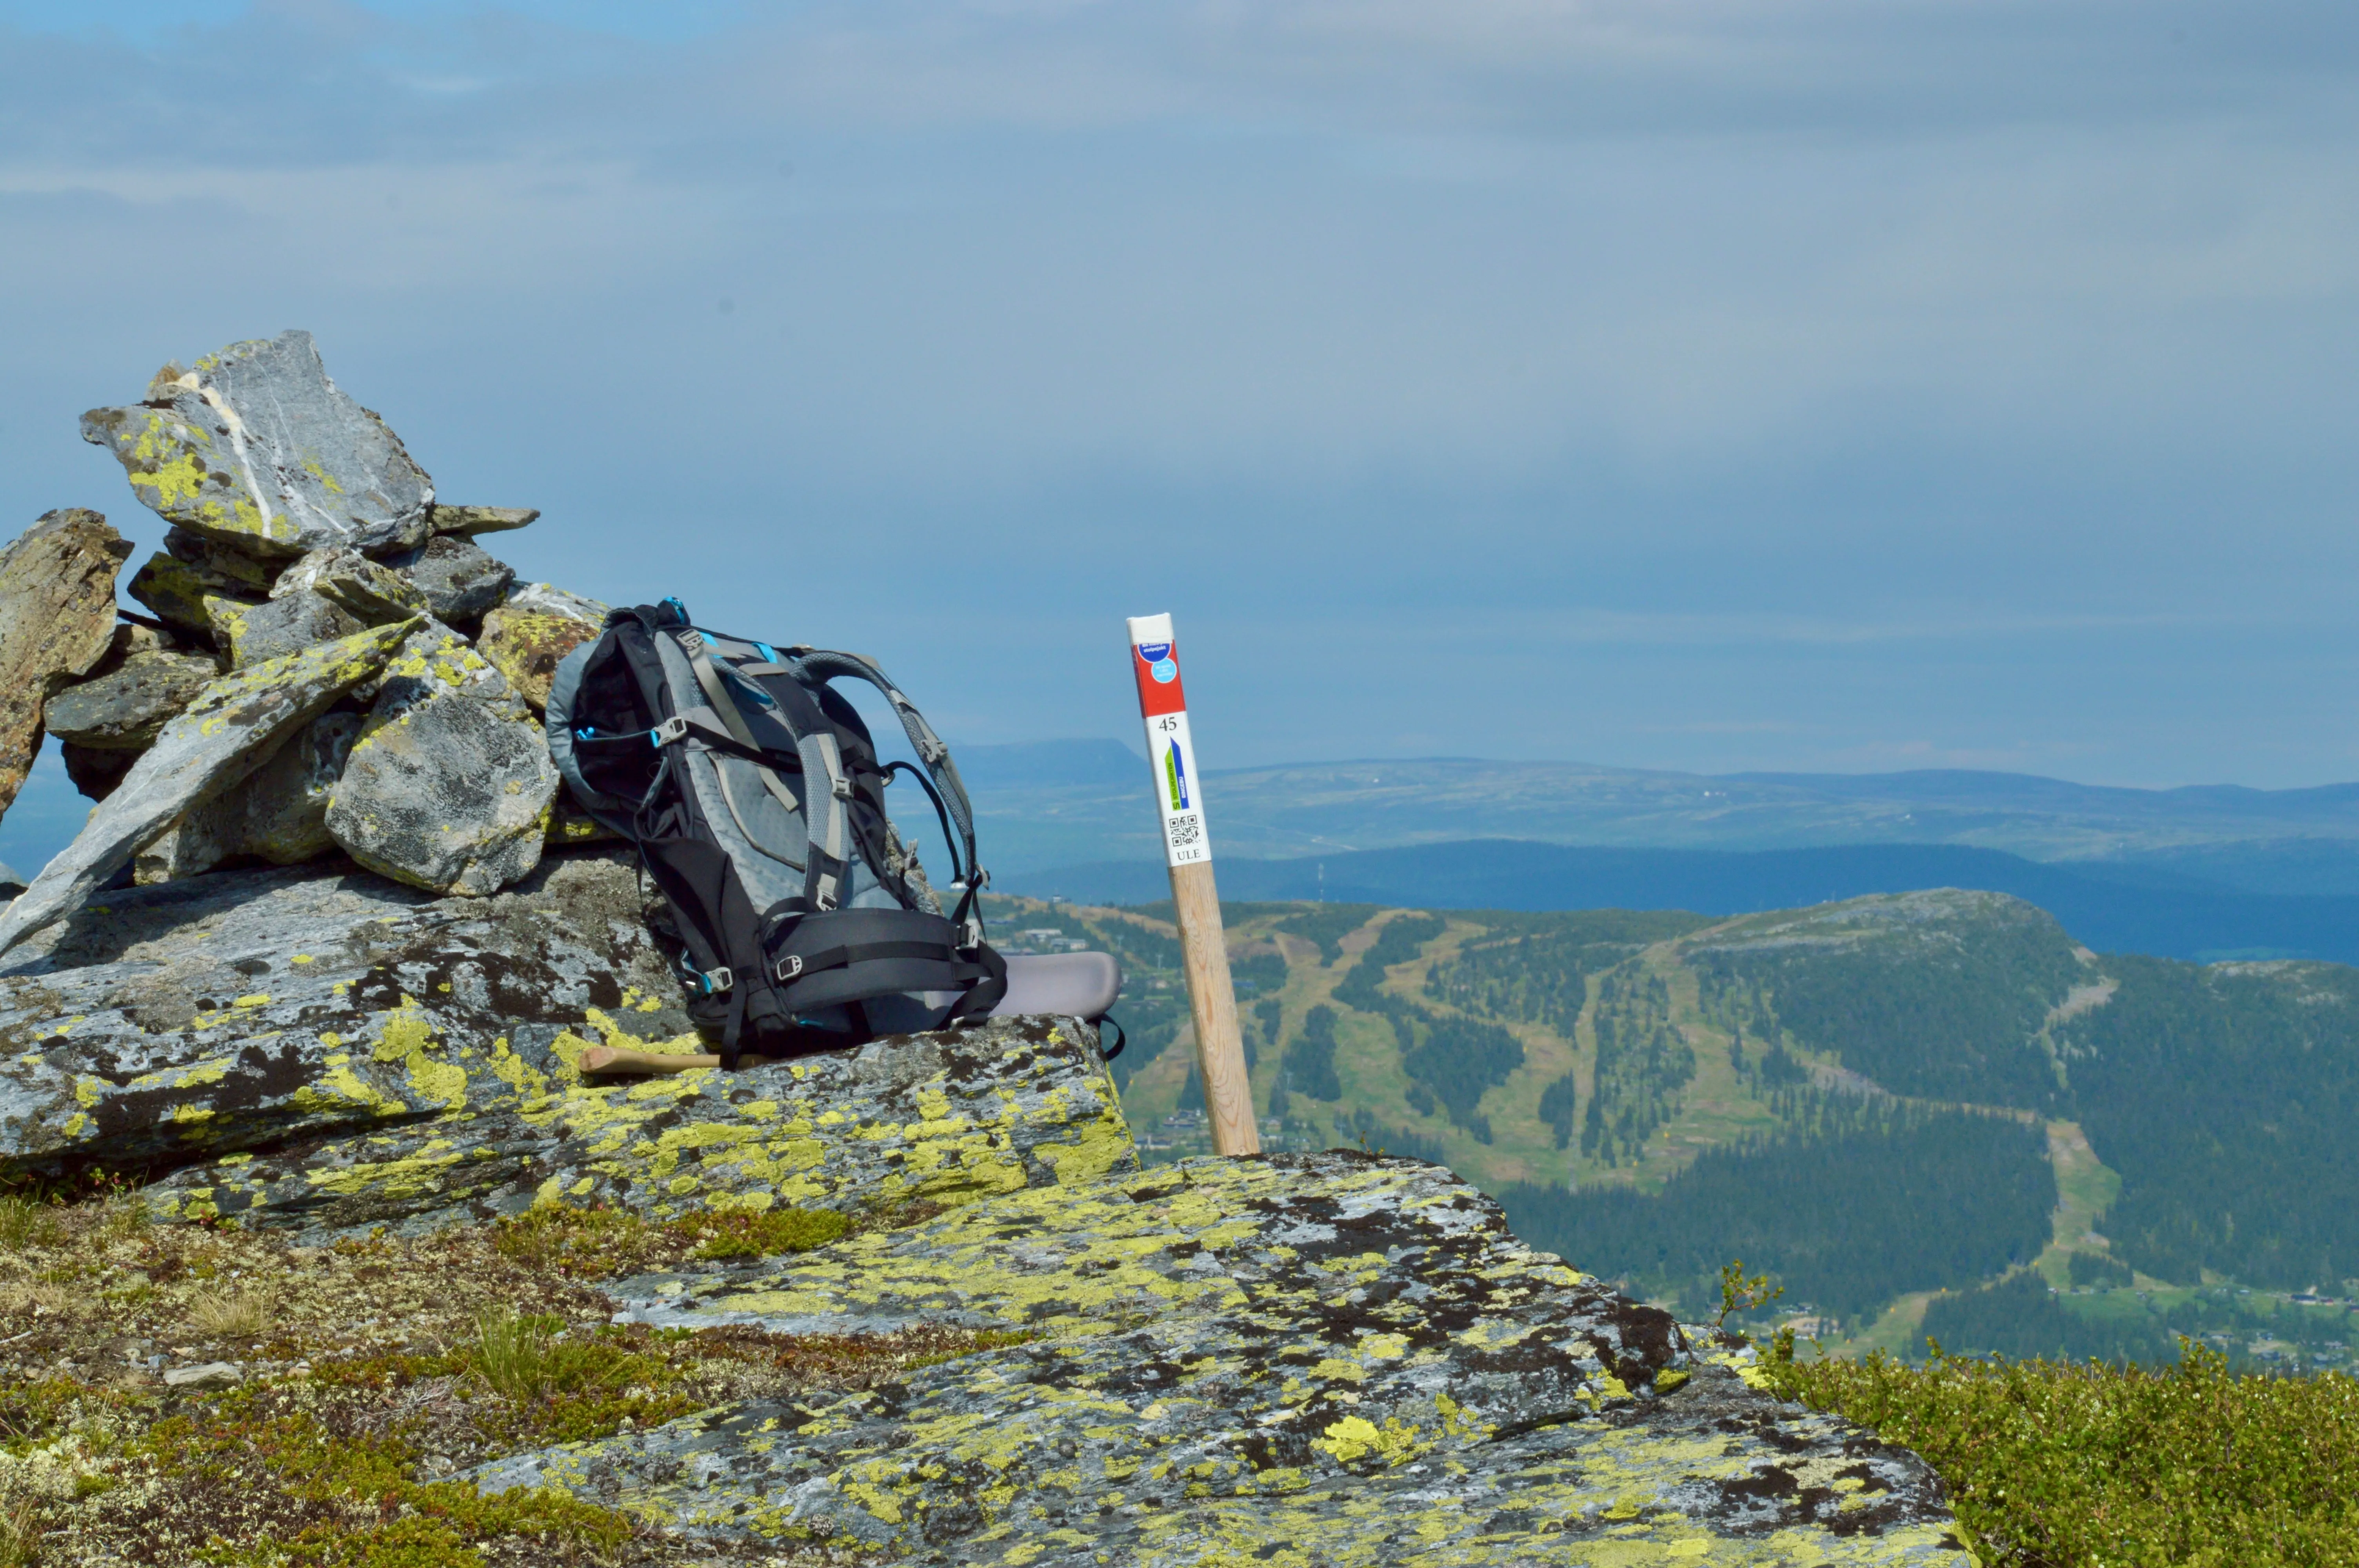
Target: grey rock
{"x":57,"y":622}
{"x":469,"y":521}
{"x":282,"y":809}
{"x":225,"y":735}
{"x":211,"y":1375}
{"x":460,"y":580}
{"x":257,"y":449}
{"x":190,"y":847}
{"x":371,"y":593}
{"x":11,"y":880}
{"x":256,"y":633}
{"x":93,"y":772}
{"x":540,"y":598}
{"x":278,"y":813}
{"x":323,"y":1053}
{"x":127,"y":706}
{"x":448,"y":787}
{"x":229,"y":569}
{"x":182,"y":596}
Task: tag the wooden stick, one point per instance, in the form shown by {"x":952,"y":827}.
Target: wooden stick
{"x":1196,"y":905}
{"x":1212,"y":1004}
{"x":616,"y":1059}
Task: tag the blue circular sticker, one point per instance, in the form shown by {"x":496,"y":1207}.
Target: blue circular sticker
{"x":1164,"y":670}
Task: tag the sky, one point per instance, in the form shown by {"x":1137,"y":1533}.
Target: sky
{"x":1710,"y":385}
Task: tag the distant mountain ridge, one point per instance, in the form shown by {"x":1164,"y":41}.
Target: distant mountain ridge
{"x":1061,"y":804}
{"x":2149,"y":912}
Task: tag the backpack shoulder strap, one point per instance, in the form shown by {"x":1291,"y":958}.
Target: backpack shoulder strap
{"x":820,"y":664}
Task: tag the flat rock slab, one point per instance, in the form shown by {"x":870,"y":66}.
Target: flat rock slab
{"x":257,"y":449}
{"x":57,"y":622}
{"x":256,"y":633}
{"x":460,"y":580}
{"x":128,"y":706}
{"x":1333,"y":1359}
{"x":328,"y":1052}
{"x":469,"y":521}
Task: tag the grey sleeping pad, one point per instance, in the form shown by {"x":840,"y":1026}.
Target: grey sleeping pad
{"x":1068,"y":985}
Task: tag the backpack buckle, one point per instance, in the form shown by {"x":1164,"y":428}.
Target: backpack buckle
{"x":670,"y":730}
{"x":718,"y":980}
{"x":790,"y":966}
{"x":970,"y":934}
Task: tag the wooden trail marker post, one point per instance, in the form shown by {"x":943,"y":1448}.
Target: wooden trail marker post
{"x":1196,"y":906}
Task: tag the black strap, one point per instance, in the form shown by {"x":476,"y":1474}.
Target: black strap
{"x":942,"y":813}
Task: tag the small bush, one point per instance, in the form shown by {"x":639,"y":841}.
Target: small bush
{"x":601,"y":1243}
{"x":757,"y":1233}
{"x":2058,"y":1464}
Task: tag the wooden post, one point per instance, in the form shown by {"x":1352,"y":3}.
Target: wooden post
{"x":1195,"y":902}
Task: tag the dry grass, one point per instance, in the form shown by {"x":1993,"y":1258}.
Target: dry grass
{"x":231,"y":1314}
{"x":20,"y":1533}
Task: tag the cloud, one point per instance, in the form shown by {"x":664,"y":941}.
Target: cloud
{"x":1714,"y":348}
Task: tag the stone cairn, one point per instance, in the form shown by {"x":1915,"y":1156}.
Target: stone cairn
{"x":330,"y":662}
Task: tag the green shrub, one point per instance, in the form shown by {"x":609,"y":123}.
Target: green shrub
{"x":757,"y":1233}
{"x":2065,"y":1466}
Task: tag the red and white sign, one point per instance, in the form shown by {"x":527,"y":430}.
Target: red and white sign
{"x":1163,"y":704}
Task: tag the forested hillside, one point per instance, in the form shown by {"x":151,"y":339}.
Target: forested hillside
{"x":1925,"y":1112}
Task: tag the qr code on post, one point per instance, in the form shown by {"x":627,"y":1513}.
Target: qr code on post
{"x":1185,"y":830}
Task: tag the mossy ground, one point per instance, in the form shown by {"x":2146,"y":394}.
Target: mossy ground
{"x":372,"y":1370}
{"x":2089,"y":1466}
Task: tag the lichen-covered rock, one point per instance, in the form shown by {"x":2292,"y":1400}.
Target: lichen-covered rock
{"x":225,"y":735}
{"x":236,"y":570}
{"x":329,"y":1053}
{"x":182,"y":596}
{"x":1335,"y":1358}
{"x":449,"y":786}
{"x":257,"y":449}
{"x":256,"y":633}
{"x":369,"y":591}
{"x":570,"y":826}
{"x":528,"y":646}
{"x":469,"y":521}
{"x":127,"y":706}
{"x":277,"y":813}
{"x":460,"y":580}
{"x":57,"y":620}
{"x":540,"y":598}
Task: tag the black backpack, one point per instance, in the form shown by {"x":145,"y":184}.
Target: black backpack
{"x":752,"y":788}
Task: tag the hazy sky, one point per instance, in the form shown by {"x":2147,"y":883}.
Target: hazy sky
{"x":1690,"y":383}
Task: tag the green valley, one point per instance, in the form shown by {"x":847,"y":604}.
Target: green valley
{"x":1930,"y":1113}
